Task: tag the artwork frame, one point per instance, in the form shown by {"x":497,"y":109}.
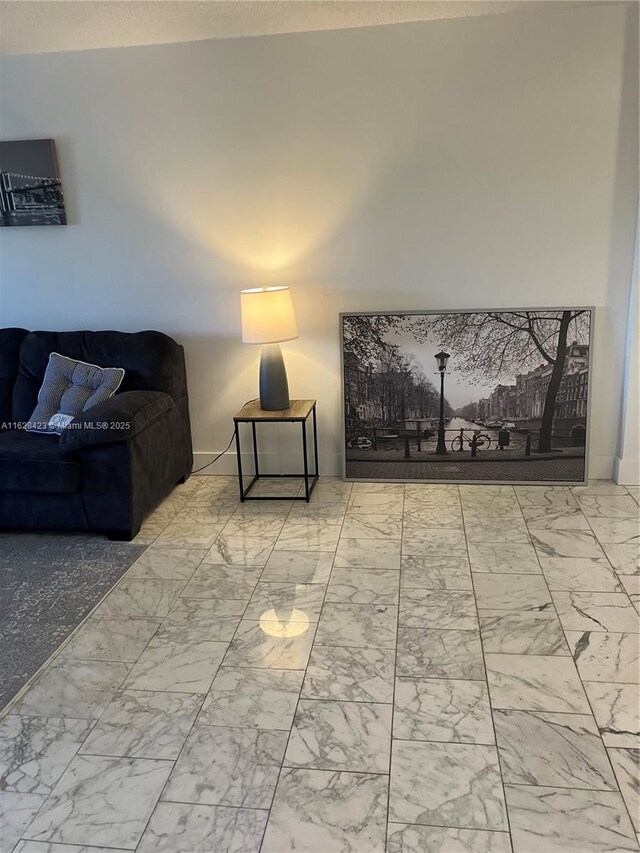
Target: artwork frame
{"x":30,"y":184}
{"x":570,"y":418}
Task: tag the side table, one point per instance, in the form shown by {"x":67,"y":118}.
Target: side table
{"x":299,"y":411}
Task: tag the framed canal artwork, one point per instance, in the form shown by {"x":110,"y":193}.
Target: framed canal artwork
{"x":30,"y":185}
{"x":467,"y":396}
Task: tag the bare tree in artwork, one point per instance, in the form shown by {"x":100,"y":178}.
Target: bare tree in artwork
{"x":488,"y":341}
{"x":399,"y":384}
{"x":364,"y":337}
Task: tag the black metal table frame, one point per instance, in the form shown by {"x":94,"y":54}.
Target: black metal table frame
{"x":310,"y":479}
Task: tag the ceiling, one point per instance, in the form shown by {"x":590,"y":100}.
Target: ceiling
{"x":34,"y":26}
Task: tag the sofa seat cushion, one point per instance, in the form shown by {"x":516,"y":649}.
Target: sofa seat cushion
{"x":33,"y":462}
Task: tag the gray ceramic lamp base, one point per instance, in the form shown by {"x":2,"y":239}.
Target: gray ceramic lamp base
{"x":274,"y":388}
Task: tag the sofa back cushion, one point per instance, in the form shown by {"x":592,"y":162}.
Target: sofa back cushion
{"x":10,"y":343}
{"x":151,"y":361}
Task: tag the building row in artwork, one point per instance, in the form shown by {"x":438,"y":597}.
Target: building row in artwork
{"x":388,"y":394}
{"x":525,"y":400}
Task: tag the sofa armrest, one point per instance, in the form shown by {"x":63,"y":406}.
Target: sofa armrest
{"x":120,"y":418}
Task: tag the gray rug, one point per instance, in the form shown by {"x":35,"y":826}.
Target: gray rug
{"x":48,"y":584}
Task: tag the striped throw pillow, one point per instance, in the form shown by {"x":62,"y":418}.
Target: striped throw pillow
{"x":69,"y":388}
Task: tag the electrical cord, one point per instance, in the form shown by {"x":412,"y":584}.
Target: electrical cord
{"x":215,"y":458}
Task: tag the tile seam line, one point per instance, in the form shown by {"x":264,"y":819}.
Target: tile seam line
{"x":203,"y":696}
{"x":395,"y":668}
{"x":119,"y":688}
{"x":507,"y":819}
{"x":238,"y":506}
{"x":584,"y":691}
{"x":295,"y":712}
{"x":46,"y":665}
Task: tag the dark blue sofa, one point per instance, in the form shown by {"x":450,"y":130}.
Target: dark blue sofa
{"x":130,"y":452}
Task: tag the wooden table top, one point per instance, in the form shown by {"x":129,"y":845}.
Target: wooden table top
{"x":299,"y":410}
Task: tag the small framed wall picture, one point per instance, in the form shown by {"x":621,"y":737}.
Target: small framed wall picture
{"x":30,"y":184}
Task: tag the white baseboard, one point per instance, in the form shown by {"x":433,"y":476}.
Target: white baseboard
{"x":270,"y":463}
{"x":626,"y":472}
{"x":601,"y":467}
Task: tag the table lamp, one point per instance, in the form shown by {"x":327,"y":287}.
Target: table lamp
{"x":268,"y":319}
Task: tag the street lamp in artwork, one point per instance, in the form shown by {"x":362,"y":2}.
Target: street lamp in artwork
{"x":442,"y":358}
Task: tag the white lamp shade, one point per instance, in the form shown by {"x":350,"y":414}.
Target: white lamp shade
{"x":267,"y":315}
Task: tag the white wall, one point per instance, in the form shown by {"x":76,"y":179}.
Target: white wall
{"x":449,"y":164}
{"x":627,"y":463}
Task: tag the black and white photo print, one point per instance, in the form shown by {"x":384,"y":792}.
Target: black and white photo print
{"x":467,"y":396}
{"x":30,"y":185}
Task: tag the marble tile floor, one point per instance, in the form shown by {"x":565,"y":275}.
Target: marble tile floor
{"x":389,"y":669}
